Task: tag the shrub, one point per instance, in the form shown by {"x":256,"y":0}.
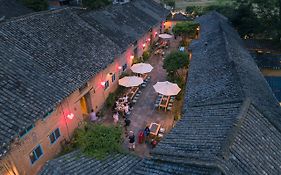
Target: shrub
{"x":36,"y":5}
{"x":98,"y":140}
{"x":110,"y":99}
{"x":145,"y":55}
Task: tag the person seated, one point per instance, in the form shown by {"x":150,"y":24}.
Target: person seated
{"x":125,"y":98}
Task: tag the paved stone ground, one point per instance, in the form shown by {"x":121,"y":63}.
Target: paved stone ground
{"x":144,"y":112}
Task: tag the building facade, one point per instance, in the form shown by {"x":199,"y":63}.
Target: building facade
{"x":77,"y":67}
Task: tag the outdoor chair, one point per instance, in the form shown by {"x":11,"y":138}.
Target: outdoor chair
{"x":162,"y":130}
{"x":169,"y":108}
{"x":156,"y":105}
{"x":134,"y":101}
{"x":170,"y":104}
{"x":172,"y":100}
{"x":160,"y":135}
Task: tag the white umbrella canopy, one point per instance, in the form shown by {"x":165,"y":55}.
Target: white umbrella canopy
{"x":141,"y":68}
{"x":167,"y":88}
{"x":165,"y":36}
{"x":130,"y":81}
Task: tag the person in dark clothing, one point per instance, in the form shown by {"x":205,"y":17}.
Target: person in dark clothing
{"x":131,"y":140}
{"x":146,"y":133}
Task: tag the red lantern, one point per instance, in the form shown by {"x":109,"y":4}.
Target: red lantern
{"x":70,"y":116}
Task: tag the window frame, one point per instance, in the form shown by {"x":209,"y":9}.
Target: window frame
{"x":124,"y":67}
{"x":106,"y":85}
{"x":26,"y":131}
{"x":55,"y":136}
{"x":113,"y":77}
{"x":35,"y":154}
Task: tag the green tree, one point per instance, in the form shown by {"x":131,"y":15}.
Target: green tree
{"x":36,"y":5}
{"x":268,"y":16}
{"x":98,"y":140}
{"x":96,"y":4}
{"x":174,"y":61}
{"x":185,"y":29}
{"x":170,"y":3}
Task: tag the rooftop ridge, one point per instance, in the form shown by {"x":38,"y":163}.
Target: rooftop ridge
{"x":236,"y":125}
{"x":45,"y":12}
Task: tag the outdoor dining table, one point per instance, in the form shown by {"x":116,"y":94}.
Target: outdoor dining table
{"x":164,"y":102}
{"x":132,"y":92}
{"x":154,"y":129}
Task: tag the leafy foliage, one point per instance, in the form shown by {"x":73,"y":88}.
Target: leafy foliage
{"x":185,"y":29}
{"x":36,"y":5}
{"x":110,"y":99}
{"x":254,"y":18}
{"x":96,"y":4}
{"x":176,"y":60}
{"x":145,"y":55}
{"x":98,"y":140}
{"x":170,"y":3}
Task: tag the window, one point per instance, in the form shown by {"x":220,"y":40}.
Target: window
{"x":54,"y":135}
{"x":25,"y":131}
{"x":36,"y":154}
{"x":124,"y":67}
{"x":106,"y":85}
{"x":113,"y":78}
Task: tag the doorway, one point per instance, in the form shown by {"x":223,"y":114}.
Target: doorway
{"x":86,"y":104}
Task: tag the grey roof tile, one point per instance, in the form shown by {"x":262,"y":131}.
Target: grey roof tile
{"x":50,"y":54}
{"x":231,"y":119}
{"x":77,"y":163}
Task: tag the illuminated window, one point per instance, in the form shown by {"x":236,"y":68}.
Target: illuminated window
{"x":54,"y":135}
{"x":25,"y":131}
{"x":106,"y":85}
{"x":124,"y":67}
{"x":113,"y":78}
{"x":36,"y":154}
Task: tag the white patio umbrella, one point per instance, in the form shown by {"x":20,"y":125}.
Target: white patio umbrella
{"x":167,"y":88}
{"x":165,"y":36}
{"x":141,"y":68}
{"x":130,"y":81}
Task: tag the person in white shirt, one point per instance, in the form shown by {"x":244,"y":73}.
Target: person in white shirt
{"x":125,"y":98}
{"x":126,"y":109}
{"x":116,"y":117}
{"x":93,"y":116}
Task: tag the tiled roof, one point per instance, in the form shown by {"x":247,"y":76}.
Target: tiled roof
{"x":270,"y":61}
{"x":12,"y":8}
{"x":231,"y":119}
{"x":48,"y":55}
{"x":180,"y":17}
{"x":124,"y":24}
{"x":77,"y":163}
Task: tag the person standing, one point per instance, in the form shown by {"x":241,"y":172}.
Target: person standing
{"x":93,"y":116}
{"x":116,"y":117}
{"x":146,"y":133}
{"x":131,"y":141}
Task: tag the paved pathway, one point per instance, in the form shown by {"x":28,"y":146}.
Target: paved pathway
{"x":143,"y":112}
